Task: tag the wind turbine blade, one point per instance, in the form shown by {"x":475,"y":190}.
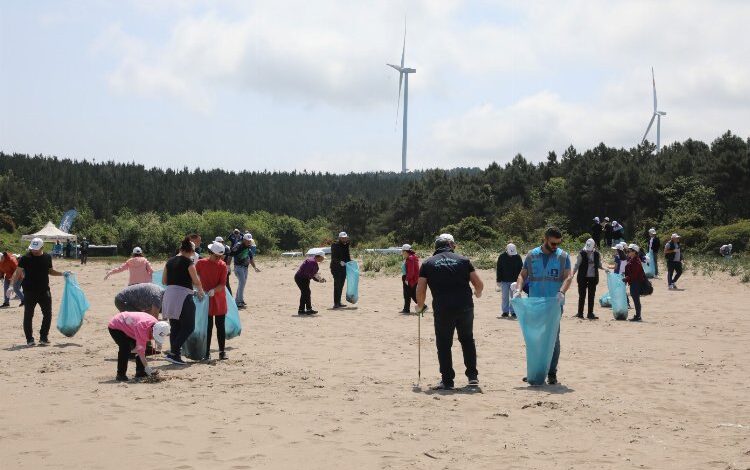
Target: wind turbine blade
{"x":648,"y":128}
{"x":403,"y":49}
{"x":653,"y":82}
{"x":400,"y":83}
{"x":396,"y":67}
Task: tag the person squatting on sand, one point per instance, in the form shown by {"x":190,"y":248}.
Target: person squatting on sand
{"x":138,"y":267}
{"x":131,"y":331}
{"x":212,"y":272}
{"x":586,"y":270}
{"x":547,"y":268}
{"x":339,"y":257}
{"x":308,"y":271}
{"x":35,"y":268}
{"x":448,"y":276}
{"x":509,"y":265}
{"x":178,"y":307}
{"x":8,"y":266}
{"x":409,"y":276}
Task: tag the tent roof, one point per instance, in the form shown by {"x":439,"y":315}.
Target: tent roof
{"x":50,"y":233}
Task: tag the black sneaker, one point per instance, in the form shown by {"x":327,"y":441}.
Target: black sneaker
{"x":206,"y":358}
{"x":5,"y":305}
{"x":44,"y":342}
{"x":140,"y":375}
{"x":30,"y":343}
{"x":552,"y":379}
{"x":405,"y":311}
{"x":222,"y":355}
{"x":122,"y":378}
{"x":592,"y":317}
{"x":21,"y":304}
{"x":175,"y":359}
{"x":513,"y":316}
{"x":474,"y":383}
{"x":300,"y":312}
{"x":442,"y":386}
{"x":578,"y":315}
{"x":504,"y":315}
{"x":338,"y":305}
{"x":635,"y":319}
{"x":311,"y":312}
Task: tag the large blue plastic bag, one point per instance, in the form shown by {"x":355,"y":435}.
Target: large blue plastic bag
{"x":352,"y":282}
{"x":539,"y":318}
{"x":156,"y":278}
{"x":232,"y":325}
{"x":605,"y":300}
{"x":649,"y":268}
{"x":618,"y":297}
{"x":195,"y":346}
{"x":72,"y":307}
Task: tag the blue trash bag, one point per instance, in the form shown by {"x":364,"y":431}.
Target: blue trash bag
{"x":232,"y":325}
{"x":618,"y":297}
{"x":649,"y":268}
{"x":72,"y":307}
{"x":352,"y":282}
{"x":539,"y":318}
{"x":156,"y":278}
{"x":605,"y":300}
{"x":195,"y":346}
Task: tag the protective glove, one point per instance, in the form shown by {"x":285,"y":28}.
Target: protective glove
{"x":9,"y":292}
{"x":210,"y":293}
{"x":498,"y":287}
{"x":342,"y":263}
{"x":150,"y":371}
{"x":561,"y":298}
{"x":67,"y":274}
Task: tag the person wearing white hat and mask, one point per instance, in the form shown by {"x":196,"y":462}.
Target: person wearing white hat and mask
{"x":35,"y":268}
{"x":620,"y":258}
{"x":596,"y":232}
{"x":607,"y":232}
{"x":138,"y":267}
{"x":308,"y":271}
{"x":673,"y":254}
{"x":618,"y":232}
{"x":132,"y":331}
{"x":654,"y":245}
{"x":242,"y":253}
{"x":586,"y":270}
{"x":212,"y":272}
{"x":509,"y":266}
{"x":726,"y":251}
{"x":409,"y":276}
{"x":339,"y":257}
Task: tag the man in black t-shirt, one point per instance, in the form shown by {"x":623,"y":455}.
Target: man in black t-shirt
{"x":84,"y":251}
{"x":448,"y":276}
{"x":35,"y":268}
{"x":339,"y":257}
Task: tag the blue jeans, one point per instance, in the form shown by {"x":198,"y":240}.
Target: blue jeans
{"x":507,"y":306}
{"x":241,"y":272}
{"x":16,"y":289}
{"x":556,"y":352}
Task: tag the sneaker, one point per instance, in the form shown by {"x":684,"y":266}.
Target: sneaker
{"x":206,"y":358}
{"x":442,"y":386}
{"x":222,"y":355}
{"x":578,"y":315}
{"x":592,"y":317}
{"x":175,"y":359}
{"x":405,"y":311}
{"x":513,"y":316}
{"x":5,"y":305}
{"x":635,"y":319}
{"x":311,"y":312}
{"x":44,"y":342}
{"x":21,"y":304}
{"x":474,"y":383}
{"x":338,"y":305}
{"x":140,"y":375}
{"x":552,"y":379}
{"x":241,"y":307}
{"x":30,"y":342}
{"x":504,"y":315}
{"x":300,"y":312}
{"x":121,"y":378}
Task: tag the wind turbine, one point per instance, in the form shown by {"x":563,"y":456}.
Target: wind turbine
{"x":657,"y":116}
{"x":403,"y":78}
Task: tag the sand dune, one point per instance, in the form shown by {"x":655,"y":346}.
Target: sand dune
{"x":336,"y":390}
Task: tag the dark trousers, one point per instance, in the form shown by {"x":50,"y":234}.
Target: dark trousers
{"x":588,"y":285}
{"x":672,"y":267}
{"x":339,"y":278}
{"x":84,"y":257}
{"x":44,"y":299}
{"x":656,"y":265}
{"x":635,"y":293}
{"x":410,"y":293}
{"x":463,"y":323}
{"x":305,"y":295}
{"x":181,"y":329}
{"x":221,"y":332}
{"x":126,"y":344}
{"x":598,"y":241}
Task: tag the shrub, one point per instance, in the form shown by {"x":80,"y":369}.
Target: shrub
{"x":472,"y":229}
{"x":738,"y":234}
{"x":6,"y":223}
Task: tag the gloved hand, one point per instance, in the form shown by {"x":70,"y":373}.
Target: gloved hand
{"x":200,"y":294}
{"x":210,"y":293}
{"x":67,"y":274}
{"x":517,"y":293}
{"x":9,"y":292}
{"x":150,"y":371}
{"x":498,"y":287}
{"x":561,"y":298}
{"x":342,"y":263}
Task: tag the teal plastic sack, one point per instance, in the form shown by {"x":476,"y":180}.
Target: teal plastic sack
{"x":618,"y":297}
{"x":232,"y":325}
{"x":649,"y":268}
{"x":195,"y":346}
{"x":539,"y":318}
{"x":156,"y":278}
{"x":352,"y":282}
{"x":72,"y":307}
{"x":605,"y":301}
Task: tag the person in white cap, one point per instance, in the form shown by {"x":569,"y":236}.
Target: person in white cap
{"x":132,"y":331}
{"x":607,"y":232}
{"x":242,"y":253}
{"x":509,"y":266}
{"x":620,"y":259}
{"x":596,"y":232}
{"x":450,"y":277}
{"x":138,"y":267}
{"x":212,"y":272}
{"x":227,"y":259}
{"x":308,"y":271}
{"x":618,"y":232}
{"x":654,"y":245}
{"x":726,"y":251}
{"x":635,"y":277}
{"x":35,"y":268}
{"x":409,"y":276}
{"x":673,"y":254}
{"x":339,"y":257}
{"x":586,"y":270}
{"x":84,"y":249}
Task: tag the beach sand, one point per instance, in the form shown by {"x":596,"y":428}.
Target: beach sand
{"x":336,"y":390}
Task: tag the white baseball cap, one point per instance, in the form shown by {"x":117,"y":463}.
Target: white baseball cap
{"x":511,"y":249}
{"x":316,"y":252}
{"x":596,"y":219}
{"x":674,"y":235}
{"x":219,"y":239}
{"x":445,"y":237}
{"x":161,"y":331}
{"x":36,"y":244}
{"x":137,"y":250}
{"x":634,"y":247}
{"x":652,"y":231}
{"x":216,"y":248}
{"x":607,"y":219}
{"x":405,"y":247}
{"x":590,"y":244}
{"x":343,"y":235}
{"x":247,"y":236}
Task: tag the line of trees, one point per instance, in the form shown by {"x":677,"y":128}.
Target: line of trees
{"x":689,"y":186}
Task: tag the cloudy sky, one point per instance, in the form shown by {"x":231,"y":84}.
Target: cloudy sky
{"x":287,"y":84}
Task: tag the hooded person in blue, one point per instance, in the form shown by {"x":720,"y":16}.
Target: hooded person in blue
{"x":547,"y":269}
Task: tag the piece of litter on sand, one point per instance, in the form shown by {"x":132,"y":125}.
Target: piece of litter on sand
{"x":430,"y":456}
{"x":730,"y":425}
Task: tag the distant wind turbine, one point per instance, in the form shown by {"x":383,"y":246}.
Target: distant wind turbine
{"x":657,"y":116}
{"x":403,"y":78}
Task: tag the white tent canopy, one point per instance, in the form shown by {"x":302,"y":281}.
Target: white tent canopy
{"x":50,"y":233}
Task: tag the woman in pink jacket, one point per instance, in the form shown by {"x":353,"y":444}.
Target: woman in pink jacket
{"x":138,"y":266}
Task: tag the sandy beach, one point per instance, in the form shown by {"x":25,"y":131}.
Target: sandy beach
{"x":336,"y":390}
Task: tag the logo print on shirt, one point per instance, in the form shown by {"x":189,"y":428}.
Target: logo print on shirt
{"x":553,"y":272}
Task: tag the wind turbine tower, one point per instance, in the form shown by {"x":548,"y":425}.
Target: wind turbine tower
{"x":403,"y":79}
{"x":656,"y":116}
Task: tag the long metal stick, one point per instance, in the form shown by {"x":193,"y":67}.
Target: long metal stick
{"x":419,"y":350}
